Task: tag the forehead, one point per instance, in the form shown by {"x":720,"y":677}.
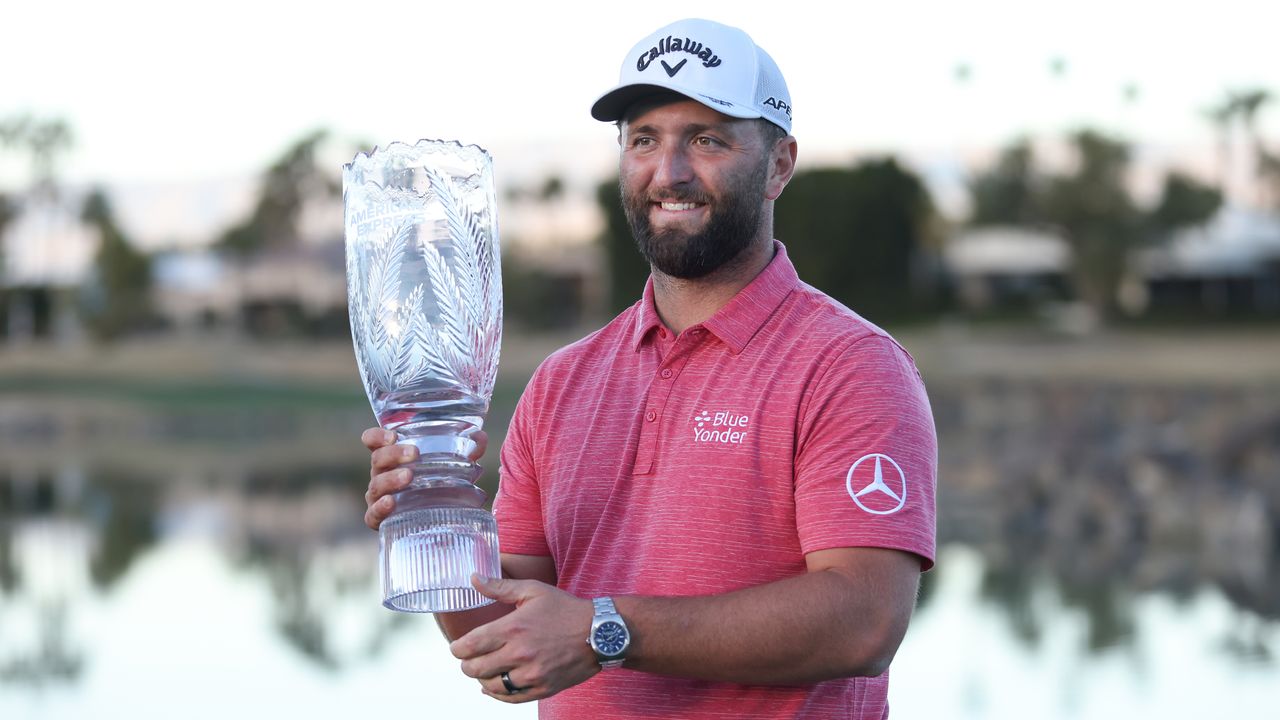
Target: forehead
{"x":667,"y":111}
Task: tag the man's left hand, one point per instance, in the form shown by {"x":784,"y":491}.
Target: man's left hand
{"x":541,"y":645}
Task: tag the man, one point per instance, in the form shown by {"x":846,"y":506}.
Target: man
{"x":720,"y":504}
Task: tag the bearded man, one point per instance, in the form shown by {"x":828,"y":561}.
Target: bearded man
{"x":720,"y":503}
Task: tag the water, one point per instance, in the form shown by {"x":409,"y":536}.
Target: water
{"x":968,"y":655}
{"x":1106,"y":551}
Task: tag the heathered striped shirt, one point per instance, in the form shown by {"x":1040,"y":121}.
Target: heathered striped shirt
{"x":647,"y":463}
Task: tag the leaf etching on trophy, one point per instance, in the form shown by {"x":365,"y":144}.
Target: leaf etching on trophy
{"x":382,"y":316}
{"x":426,"y":289}
{"x":466,"y":298}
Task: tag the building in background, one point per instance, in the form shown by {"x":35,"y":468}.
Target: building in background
{"x":47,"y":252}
{"x":999,"y":266}
{"x":1228,"y":267}
{"x":1231,"y":265}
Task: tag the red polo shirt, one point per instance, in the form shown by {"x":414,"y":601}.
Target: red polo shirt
{"x":646,"y":463}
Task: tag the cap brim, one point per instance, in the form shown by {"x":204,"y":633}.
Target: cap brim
{"x":612,"y":106}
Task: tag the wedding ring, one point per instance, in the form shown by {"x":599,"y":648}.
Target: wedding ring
{"x":511,"y":687}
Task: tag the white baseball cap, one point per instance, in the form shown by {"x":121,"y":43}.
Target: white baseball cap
{"x":717,"y":65}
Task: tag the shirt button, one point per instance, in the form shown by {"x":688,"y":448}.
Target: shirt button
{"x":651,"y":416}
{"x":666,"y":373}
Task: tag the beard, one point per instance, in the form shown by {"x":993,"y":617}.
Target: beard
{"x":731,"y":227}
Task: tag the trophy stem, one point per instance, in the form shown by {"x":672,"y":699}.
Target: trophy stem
{"x":433,"y":542}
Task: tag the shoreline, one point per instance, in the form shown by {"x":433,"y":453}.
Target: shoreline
{"x":944,"y":354}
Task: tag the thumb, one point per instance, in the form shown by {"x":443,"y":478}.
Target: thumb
{"x":513,"y":592}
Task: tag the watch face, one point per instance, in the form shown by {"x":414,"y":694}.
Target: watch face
{"x":610,"y":638}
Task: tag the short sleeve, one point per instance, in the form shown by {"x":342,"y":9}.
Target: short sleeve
{"x":866,"y":454}
{"x":518,"y":504}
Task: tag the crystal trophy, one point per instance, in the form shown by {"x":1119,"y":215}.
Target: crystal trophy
{"x":424,"y":290}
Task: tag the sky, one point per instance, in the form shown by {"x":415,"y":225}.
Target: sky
{"x":180,"y":104}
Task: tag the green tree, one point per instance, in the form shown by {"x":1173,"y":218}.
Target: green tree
{"x":1010,"y":192}
{"x":1094,"y":208}
{"x":1245,"y":106}
{"x":552,"y":189}
{"x":1248,"y":104}
{"x":284,"y":189}
{"x":1184,"y":201}
{"x":42,"y":141}
{"x":1221,"y":116}
{"x":8,"y":211}
{"x":118,"y":296}
{"x":626,"y":266}
{"x":863,"y":234}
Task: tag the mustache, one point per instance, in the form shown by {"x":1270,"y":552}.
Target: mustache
{"x":681,"y":197}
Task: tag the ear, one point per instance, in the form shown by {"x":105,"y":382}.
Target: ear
{"x":782,"y":165}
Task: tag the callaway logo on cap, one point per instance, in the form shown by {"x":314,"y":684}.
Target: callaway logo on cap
{"x":717,"y":65}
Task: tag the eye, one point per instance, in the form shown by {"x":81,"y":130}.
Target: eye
{"x":707,"y":141}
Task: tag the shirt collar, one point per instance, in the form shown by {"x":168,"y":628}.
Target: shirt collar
{"x":647,"y":320}
{"x":743,"y":316}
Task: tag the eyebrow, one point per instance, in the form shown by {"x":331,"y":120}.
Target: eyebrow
{"x":692,"y":129}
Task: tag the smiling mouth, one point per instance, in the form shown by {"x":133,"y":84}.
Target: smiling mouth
{"x":678,"y":206}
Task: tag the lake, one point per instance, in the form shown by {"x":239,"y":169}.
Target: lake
{"x":170,"y":547}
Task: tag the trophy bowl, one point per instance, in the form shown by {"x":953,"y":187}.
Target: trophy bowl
{"x":424,"y":292}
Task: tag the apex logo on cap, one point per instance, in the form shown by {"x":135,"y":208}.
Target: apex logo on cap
{"x":777,"y":104}
{"x":670,"y":44}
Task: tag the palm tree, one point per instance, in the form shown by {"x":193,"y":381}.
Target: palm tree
{"x":45,"y":141}
{"x":1248,"y":104}
{"x":1221,"y":116}
{"x":42,"y":141}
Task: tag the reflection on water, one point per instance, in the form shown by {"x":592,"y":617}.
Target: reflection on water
{"x":1109,"y":493}
{"x":963,"y":657}
{"x":1083,"y":525}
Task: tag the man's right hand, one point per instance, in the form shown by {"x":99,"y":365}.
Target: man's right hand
{"x":387,"y":475}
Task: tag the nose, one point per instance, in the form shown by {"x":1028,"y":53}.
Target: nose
{"x":674,"y":167}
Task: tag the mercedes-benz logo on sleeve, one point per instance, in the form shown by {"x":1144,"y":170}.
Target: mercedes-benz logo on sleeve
{"x":879,"y":487}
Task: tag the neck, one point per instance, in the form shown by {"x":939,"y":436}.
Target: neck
{"x":683,"y":303}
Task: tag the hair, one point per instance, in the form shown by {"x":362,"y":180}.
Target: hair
{"x":770,"y":132}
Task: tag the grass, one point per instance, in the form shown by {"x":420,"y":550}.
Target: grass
{"x":205,"y":393}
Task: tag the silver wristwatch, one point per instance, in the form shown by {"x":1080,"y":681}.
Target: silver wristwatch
{"x":609,"y":636}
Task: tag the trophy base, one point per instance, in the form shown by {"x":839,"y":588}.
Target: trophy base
{"x":429,"y":553}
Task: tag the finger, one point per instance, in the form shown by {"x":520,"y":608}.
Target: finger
{"x":512,"y":592}
{"x":479,"y":642}
{"x":386,"y":483}
{"x":488,"y":666}
{"x":376,"y":437}
{"x":391,"y":457}
{"x":379,"y":511}
{"x":495,"y":688}
{"x":501,"y":694}
{"x":481,"y":439}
